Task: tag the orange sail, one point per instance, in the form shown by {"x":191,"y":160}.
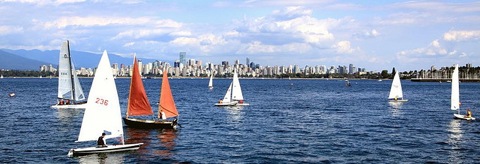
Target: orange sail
{"x":167,"y":104}
{"x":138,"y":104}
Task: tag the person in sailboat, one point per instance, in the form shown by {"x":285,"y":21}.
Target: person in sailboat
{"x":60,"y":101}
{"x":101,"y":141}
{"x":469,"y":113}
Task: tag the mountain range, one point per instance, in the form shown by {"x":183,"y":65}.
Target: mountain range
{"x":33,"y":59}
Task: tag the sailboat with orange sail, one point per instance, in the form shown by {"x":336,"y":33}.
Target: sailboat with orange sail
{"x":139,"y":105}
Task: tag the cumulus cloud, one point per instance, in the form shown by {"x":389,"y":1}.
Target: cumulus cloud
{"x":293,"y":24}
{"x":462,"y":35}
{"x":343,"y":47}
{"x":433,"y":49}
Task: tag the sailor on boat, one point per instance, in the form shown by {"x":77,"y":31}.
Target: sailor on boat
{"x":101,"y":141}
{"x":469,"y":114}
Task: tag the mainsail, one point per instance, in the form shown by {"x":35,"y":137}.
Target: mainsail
{"x":102,"y":114}
{"x":138,"y":104}
{"x":396,"y":88}
{"x":455,"y":98}
{"x":68,"y":84}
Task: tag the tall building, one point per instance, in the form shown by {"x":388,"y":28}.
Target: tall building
{"x":183,"y":59}
{"x":248,"y":62}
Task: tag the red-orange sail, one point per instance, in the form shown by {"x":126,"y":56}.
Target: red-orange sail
{"x":138,"y":104}
{"x":167,"y":104}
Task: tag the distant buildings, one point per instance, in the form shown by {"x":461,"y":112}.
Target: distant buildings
{"x":194,"y":68}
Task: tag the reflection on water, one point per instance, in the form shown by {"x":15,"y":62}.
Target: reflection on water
{"x":138,"y":136}
{"x":454,"y":140}
{"x":236,"y":113}
{"x":102,"y":158}
{"x":167,"y":139}
{"x":395,"y":108}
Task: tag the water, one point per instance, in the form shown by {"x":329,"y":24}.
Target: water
{"x":288,"y":121}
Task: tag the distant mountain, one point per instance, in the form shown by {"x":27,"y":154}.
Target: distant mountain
{"x":79,"y":58}
{"x":16,"y":62}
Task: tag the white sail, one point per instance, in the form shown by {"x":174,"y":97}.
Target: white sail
{"x":455,"y":99}
{"x":228,"y":95}
{"x":236,"y":89}
{"x":64,"y":73}
{"x":79,"y":95}
{"x":68,"y":84}
{"x":210,"y":83}
{"x":102,"y":114}
{"x":396,"y":88}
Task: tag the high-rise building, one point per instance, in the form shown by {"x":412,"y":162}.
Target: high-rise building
{"x":183,"y":59}
{"x":248,"y":62}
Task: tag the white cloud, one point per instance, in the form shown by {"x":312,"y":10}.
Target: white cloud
{"x":343,"y":47}
{"x":462,"y":35}
{"x":91,"y":21}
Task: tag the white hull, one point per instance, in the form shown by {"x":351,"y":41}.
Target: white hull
{"x":74,"y":106}
{"x":242,"y":104}
{"x":461,"y":116}
{"x":405,"y":100}
{"x":109,"y":149}
{"x":226,"y":104}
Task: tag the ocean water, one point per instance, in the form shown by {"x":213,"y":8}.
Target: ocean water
{"x":288,"y":121}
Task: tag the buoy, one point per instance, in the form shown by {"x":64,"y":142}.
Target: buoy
{"x":11,"y":94}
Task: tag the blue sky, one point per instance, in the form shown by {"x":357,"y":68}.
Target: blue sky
{"x":375,"y":35}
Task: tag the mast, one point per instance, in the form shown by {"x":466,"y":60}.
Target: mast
{"x":71,"y":72}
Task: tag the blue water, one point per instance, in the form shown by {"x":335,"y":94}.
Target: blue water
{"x":288,"y":121}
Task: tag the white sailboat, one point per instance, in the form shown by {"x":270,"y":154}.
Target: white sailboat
{"x":234,"y":94}
{"x":455,"y":97}
{"x":396,"y":93}
{"x":210,"y":83}
{"x":70,"y":92}
{"x":102,"y":114}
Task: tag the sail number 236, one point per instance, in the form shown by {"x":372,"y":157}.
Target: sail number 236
{"x":102,"y":101}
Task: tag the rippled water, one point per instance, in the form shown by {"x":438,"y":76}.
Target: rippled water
{"x":288,"y":121}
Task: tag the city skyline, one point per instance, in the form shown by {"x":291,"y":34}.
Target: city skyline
{"x":196,"y":68}
{"x":407,"y":35}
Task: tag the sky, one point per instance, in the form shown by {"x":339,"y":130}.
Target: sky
{"x":376,"y":35}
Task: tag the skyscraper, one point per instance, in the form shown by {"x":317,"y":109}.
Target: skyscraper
{"x":248,"y":62}
{"x":183,"y":60}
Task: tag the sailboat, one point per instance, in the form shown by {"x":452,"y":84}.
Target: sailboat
{"x":102,"y":114}
{"x":138,"y":104}
{"x":234,"y":94}
{"x":396,"y":93}
{"x":70,"y":93}
{"x":455,"y":97}
{"x":210,"y":83}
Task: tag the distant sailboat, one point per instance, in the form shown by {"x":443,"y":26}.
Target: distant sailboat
{"x":396,"y":93}
{"x":139,"y":105}
{"x":234,"y":94}
{"x":455,"y":97}
{"x":70,"y":93}
{"x":102,"y":114}
{"x":210,"y":82}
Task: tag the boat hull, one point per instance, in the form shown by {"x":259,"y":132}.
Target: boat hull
{"x":393,"y":100}
{"x":461,"y":116}
{"x":226,"y":104}
{"x":150,"y":124}
{"x":72,"y":106}
{"x":109,"y":149}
